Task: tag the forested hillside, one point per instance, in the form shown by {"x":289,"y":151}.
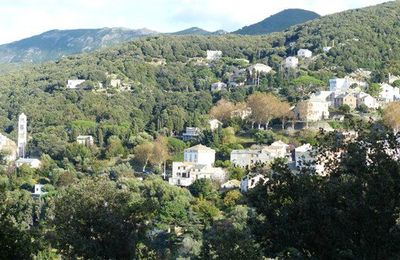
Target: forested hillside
{"x":108,"y":200}
{"x":279,"y":22}
{"x":158,"y":90}
{"x":55,"y":44}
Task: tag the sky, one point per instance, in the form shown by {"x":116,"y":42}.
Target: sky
{"x":23,"y":18}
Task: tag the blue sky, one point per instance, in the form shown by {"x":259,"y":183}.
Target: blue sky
{"x":23,"y":18}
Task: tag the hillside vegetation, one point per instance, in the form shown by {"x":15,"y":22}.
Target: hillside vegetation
{"x":279,"y":22}
{"x":103,"y":203}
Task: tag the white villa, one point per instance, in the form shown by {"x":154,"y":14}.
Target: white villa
{"x":250,"y":182}
{"x":32,"y":163}
{"x":259,"y":68}
{"x":218,"y":86}
{"x":214,"y":124}
{"x":291,"y":62}
{"x":200,"y":154}
{"x":304,"y":53}
{"x":214,"y":55}
{"x":198,"y":164}
{"x":73,"y":83}
{"x":86,"y":140}
{"x":191,"y":133}
{"x":389,"y":93}
{"x":266,"y":154}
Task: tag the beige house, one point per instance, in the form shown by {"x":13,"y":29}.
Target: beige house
{"x":345,"y":99}
{"x":312,"y":110}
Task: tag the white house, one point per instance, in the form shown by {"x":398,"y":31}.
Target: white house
{"x":214,"y":55}
{"x":192,"y":133}
{"x":199,"y":154}
{"x":218,"y":86}
{"x":214,"y":124}
{"x":38,"y":190}
{"x":339,"y":84}
{"x":304,"y":158}
{"x":86,"y":140}
{"x":304,"y":53}
{"x":250,"y":182}
{"x":389,"y":93}
{"x":259,"y":68}
{"x":231,"y":185}
{"x":248,"y":157}
{"x":73,"y":83}
{"x":9,"y":147}
{"x":115,"y":83}
{"x":185,"y":173}
{"x":198,"y":161}
{"x":291,"y":62}
{"x":32,"y":163}
{"x":367,"y":100}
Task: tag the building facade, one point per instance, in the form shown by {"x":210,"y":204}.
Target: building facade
{"x":248,"y":157}
{"x":346,"y":99}
{"x":74,"y":83}
{"x":304,"y":53}
{"x":291,"y":62}
{"x":86,"y":140}
{"x":198,"y":164}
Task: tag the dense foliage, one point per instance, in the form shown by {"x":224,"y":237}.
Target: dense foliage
{"x":108,"y":200}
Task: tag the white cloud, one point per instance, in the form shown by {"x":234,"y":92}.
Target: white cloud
{"x":24,"y":18}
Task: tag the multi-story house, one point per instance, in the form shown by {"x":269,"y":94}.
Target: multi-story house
{"x":345,"y":99}
{"x":248,"y":157}
{"x":198,"y":164}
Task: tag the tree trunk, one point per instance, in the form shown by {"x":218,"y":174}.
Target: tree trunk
{"x":144,"y":166}
{"x":267,"y":124}
{"x":165,"y":170}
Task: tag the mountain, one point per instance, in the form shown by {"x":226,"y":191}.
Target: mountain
{"x":198,"y":31}
{"x":279,"y":22}
{"x":54,"y":44}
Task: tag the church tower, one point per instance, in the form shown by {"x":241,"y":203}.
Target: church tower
{"x":22,"y":135}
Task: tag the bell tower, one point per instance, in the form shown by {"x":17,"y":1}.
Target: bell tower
{"x":22,"y":135}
